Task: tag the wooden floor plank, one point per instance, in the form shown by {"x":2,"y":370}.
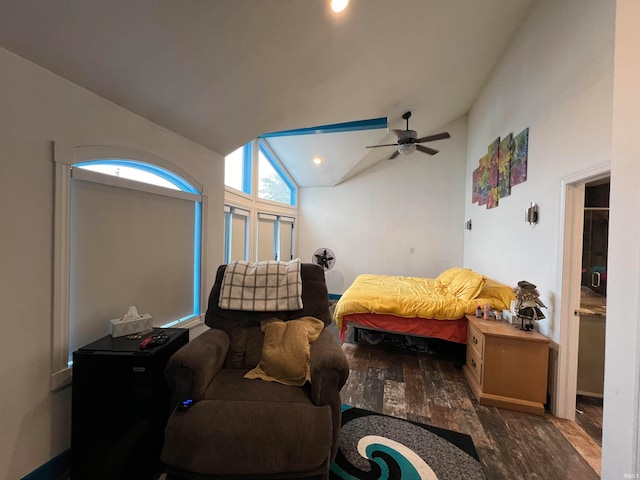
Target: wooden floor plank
{"x":433,"y":383}
{"x":417,"y":407}
{"x":590,"y":450}
{"x":589,"y":416}
{"x":373,"y":394}
{"x":429,"y":388}
{"x":394,"y":399}
{"x":353,"y":391}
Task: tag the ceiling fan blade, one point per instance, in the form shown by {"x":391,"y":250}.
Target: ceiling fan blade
{"x":431,"y":138}
{"x":395,"y":154}
{"x":384,"y":145}
{"x":428,"y":150}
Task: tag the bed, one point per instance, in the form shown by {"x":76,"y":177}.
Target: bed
{"x":417,"y":306}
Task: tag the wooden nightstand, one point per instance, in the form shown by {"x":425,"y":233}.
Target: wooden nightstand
{"x":507,"y":367}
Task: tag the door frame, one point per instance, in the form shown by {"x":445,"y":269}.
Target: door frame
{"x":570,"y":248}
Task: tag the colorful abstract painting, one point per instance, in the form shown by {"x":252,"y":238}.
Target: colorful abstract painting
{"x":494,"y":157}
{"x":483,"y":180}
{"x":519,"y":156}
{"x":475,"y":194}
{"x":504,"y":167}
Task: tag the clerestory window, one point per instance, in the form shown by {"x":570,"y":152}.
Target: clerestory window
{"x":237,"y":169}
{"x":273,"y":183}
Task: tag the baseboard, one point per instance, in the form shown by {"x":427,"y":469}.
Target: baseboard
{"x":53,"y":469}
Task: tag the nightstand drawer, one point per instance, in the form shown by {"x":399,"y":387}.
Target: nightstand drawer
{"x":476,"y":340}
{"x":474,"y":362}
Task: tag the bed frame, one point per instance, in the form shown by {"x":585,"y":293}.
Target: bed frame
{"x":450,"y":330}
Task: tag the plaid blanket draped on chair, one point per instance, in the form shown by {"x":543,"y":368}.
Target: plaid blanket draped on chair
{"x":268,"y":286}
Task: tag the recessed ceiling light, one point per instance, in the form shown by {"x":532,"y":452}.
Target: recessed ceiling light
{"x":339,"y":5}
{"x":317,"y":160}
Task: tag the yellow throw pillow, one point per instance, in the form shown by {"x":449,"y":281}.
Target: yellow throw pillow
{"x":286,"y":350}
{"x":448,"y":275}
{"x":464,"y":283}
{"x":499,"y":294}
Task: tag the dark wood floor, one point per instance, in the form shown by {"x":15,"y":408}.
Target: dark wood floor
{"x":589,"y":416}
{"x":427,"y":387}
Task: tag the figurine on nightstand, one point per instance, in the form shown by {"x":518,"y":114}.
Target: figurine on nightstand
{"x":528,"y":305}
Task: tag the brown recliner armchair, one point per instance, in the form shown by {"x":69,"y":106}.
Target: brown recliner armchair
{"x":241,"y":428}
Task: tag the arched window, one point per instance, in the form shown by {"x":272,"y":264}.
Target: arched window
{"x":139,"y":172}
{"x":128,"y":232}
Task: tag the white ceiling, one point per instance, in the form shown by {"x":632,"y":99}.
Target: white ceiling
{"x":222,"y":72}
{"x":339,"y":152}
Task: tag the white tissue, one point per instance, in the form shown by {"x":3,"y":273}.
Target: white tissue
{"x":132,"y":322}
{"x":132,"y":314}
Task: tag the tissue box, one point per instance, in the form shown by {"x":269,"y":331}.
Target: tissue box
{"x":510,"y":316}
{"x":119,"y":327}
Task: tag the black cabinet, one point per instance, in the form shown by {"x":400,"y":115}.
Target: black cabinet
{"x":120,"y":406}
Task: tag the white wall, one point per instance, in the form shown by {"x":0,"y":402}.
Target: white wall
{"x":37,"y":107}
{"x":559,"y":79}
{"x":372,"y":220}
{"x":620,"y":454}
{"x":556,"y":78}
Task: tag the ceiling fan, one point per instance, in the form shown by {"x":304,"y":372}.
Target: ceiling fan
{"x":408,"y":141}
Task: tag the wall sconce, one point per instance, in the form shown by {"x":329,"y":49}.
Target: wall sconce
{"x":531,"y":214}
{"x":467,"y":225}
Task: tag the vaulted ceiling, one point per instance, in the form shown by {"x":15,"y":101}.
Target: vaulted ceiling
{"x":222,"y":72}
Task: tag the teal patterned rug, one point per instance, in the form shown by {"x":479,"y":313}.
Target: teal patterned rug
{"x":379,"y":447}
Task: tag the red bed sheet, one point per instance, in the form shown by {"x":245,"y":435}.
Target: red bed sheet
{"x":451,"y":330}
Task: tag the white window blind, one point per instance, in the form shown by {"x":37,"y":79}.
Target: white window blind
{"x":286,"y":238}
{"x":128,"y":247}
{"x":239,"y":220}
{"x":266,"y":236}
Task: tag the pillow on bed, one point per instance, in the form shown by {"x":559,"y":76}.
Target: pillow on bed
{"x":499,"y":294}
{"x":286,"y":350}
{"x":464,"y":283}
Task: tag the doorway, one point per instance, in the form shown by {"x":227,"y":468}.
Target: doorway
{"x":570,"y":277}
{"x":580,"y":258}
{"x":593,"y":308}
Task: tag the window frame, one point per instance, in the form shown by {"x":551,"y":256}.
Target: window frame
{"x":255,"y":205}
{"x":65,"y":157}
{"x":229,"y":211}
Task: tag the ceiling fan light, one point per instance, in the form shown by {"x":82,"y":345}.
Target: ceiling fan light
{"x":407,"y":148}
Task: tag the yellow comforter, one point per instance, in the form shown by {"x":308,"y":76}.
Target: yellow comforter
{"x":439,"y":298}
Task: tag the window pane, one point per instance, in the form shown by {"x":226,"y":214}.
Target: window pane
{"x":142,"y":245}
{"x":234,"y":169}
{"x":130,"y":173}
{"x":271,"y":186}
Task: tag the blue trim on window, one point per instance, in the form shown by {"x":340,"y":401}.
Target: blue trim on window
{"x":170,"y":177}
{"x":371,"y":124}
{"x":281,"y":173}
{"x":247,"y":151}
{"x":53,"y":469}
{"x":276,"y":239}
